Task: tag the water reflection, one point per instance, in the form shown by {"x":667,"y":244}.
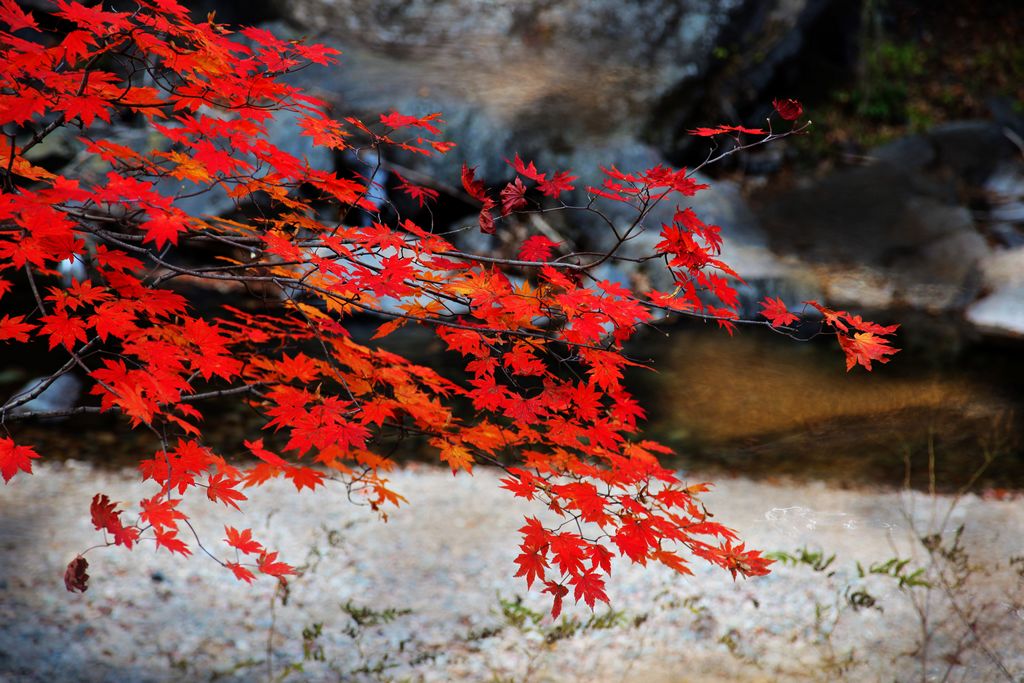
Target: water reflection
{"x":759,"y":405}
{"x":755,"y":405}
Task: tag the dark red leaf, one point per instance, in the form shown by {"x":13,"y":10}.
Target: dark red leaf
{"x":75,"y":576}
{"x":788,"y":109}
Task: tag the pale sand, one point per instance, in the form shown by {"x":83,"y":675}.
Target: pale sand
{"x":448,"y":555}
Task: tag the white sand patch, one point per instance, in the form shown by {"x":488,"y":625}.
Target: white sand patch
{"x":148,"y":616}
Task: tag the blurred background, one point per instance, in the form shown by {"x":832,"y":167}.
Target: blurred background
{"x":904,"y":201}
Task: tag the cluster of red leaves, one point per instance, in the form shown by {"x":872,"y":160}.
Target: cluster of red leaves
{"x":787,"y":109}
{"x":862,"y":341}
{"x":513,"y":195}
{"x":542,"y":352}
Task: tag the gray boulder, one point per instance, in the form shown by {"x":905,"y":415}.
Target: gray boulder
{"x":891,"y":234}
{"x":59,"y":396}
{"x":1001,"y":310}
{"x":539,"y":77}
{"x":1000,"y":313}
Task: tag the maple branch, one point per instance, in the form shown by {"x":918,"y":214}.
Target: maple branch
{"x":543,"y":358}
{"x":21,"y":399}
{"x":9,"y":177}
{"x":84,"y":410}
{"x":41,"y":134}
{"x":323,"y":346}
{"x":784,"y":330}
{"x":387,"y":315}
{"x":771,"y":137}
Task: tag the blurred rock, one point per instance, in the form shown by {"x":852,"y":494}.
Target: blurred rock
{"x":892,"y":234}
{"x":545,"y":78}
{"x":61,"y":395}
{"x":968,"y":151}
{"x":1000,"y":313}
{"x":745,"y":247}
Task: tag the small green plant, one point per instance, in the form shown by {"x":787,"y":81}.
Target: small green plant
{"x":950,"y":612}
{"x":363,"y":617}
{"x":538,"y":626}
{"x":815,"y":559}
{"x":883,"y":92}
{"x":521,"y":617}
{"x":896,"y":568}
{"x":361,"y":659}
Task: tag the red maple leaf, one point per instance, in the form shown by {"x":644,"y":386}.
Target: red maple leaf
{"x":15,"y":458}
{"x":396,"y":120}
{"x":738,"y":560}
{"x":222,"y":488}
{"x":559,"y":183}
{"x":788,"y":109}
{"x":242,"y":540}
{"x":635,"y":539}
{"x":567,"y":552}
{"x":867,"y":326}
{"x":15,"y":17}
{"x":76,"y":46}
{"x":864,"y":347}
{"x":63,"y":329}
{"x":88,"y":108}
{"x":113,"y":319}
{"x":706,"y":132}
{"x":476,"y":188}
{"x":104,"y":514}
{"x":672,"y":561}
{"x":268,"y":564}
{"x":21,"y":108}
{"x":116,"y":259}
{"x":304,"y":477}
{"x":421,"y":194}
{"x":136,"y":404}
{"x":272,"y":459}
{"x":513,"y":197}
{"x":240,"y":572}
{"x":170,"y":541}
{"x":776,"y":312}
{"x":486,"y":218}
{"x":521,"y":483}
{"x":590,"y":587}
{"x":532,"y":564}
{"x":528,"y":170}
{"x":600,"y":558}
{"x":161,"y":512}
{"x":105,"y":517}
{"x":14,"y":328}
{"x":833,"y":318}
{"x":537,"y":248}
{"x":558,"y":592}
{"x":163,"y":228}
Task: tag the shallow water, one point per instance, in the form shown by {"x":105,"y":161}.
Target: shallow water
{"x":755,"y":404}
{"x":761,"y":405}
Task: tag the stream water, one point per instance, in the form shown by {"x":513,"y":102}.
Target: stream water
{"x":756,"y":404}
{"x":760,"y":405}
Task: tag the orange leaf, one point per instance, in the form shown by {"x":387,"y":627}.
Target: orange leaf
{"x":242,"y":540}
{"x":864,"y":347}
{"x":268,"y":564}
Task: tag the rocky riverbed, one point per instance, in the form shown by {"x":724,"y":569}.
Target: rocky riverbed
{"x":429,"y":595}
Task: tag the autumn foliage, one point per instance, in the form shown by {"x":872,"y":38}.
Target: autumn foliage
{"x":540,"y":335}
